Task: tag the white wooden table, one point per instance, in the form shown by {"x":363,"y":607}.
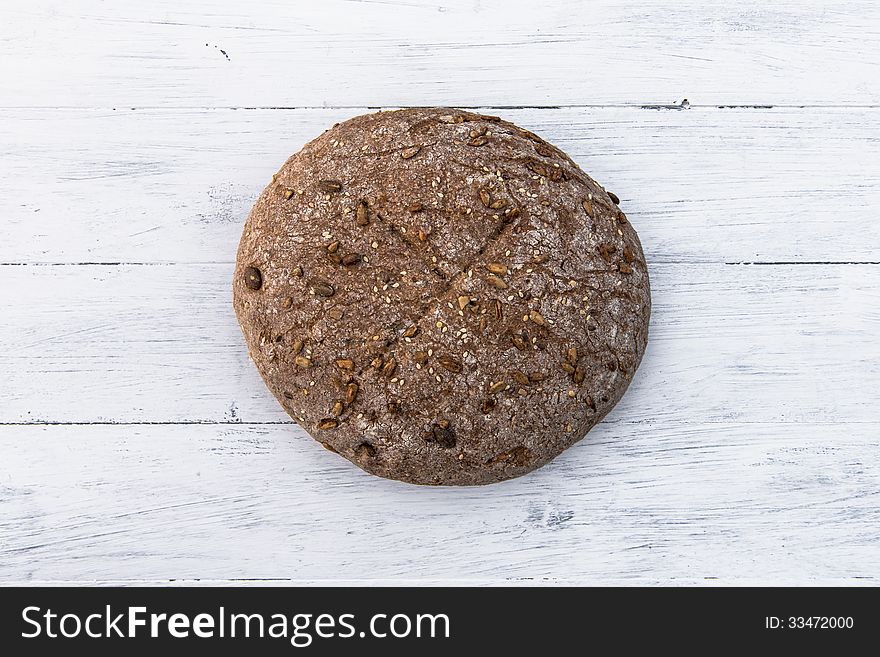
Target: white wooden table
{"x":138,"y":443}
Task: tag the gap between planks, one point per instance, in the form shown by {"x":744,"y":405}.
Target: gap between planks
{"x":291,"y":423}
{"x":379,"y":108}
{"x":777,"y":263}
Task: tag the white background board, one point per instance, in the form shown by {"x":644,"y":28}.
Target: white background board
{"x":137,"y":442}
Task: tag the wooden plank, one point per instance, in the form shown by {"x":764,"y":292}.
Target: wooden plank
{"x":222,"y":53}
{"x":700,"y":185}
{"x":662,"y":502}
{"x":160,"y":343}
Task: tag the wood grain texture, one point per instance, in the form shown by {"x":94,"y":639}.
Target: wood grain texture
{"x":659,"y":501}
{"x":223,"y":53}
{"x":137,"y":442}
{"x":699,"y":185}
{"x":161,"y":344}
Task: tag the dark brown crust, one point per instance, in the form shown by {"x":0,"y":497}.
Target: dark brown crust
{"x":444,"y":298}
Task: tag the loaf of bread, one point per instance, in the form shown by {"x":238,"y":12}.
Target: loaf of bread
{"x":441,"y":297}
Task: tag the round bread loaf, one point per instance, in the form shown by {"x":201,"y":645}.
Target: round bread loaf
{"x":440,"y":296}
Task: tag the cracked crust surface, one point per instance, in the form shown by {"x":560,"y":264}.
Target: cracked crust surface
{"x":440,"y":296}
